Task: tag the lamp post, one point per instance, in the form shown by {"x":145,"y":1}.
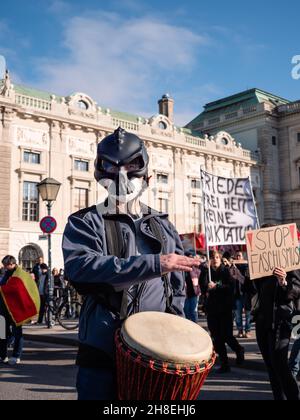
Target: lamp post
{"x":48,"y":190}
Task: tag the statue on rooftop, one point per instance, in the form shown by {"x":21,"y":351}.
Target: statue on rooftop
{"x":7,"y":85}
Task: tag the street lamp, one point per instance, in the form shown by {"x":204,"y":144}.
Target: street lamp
{"x":48,"y":190}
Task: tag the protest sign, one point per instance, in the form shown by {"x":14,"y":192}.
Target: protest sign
{"x":229,"y":209}
{"x":270,"y":248}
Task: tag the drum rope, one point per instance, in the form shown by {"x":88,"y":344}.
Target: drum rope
{"x":142,"y":378}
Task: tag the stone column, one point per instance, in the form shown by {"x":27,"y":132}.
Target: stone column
{"x":209,"y":164}
{"x":179,"y":177}
{"x":270,"y":181}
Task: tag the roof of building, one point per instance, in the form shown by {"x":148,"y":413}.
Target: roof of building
{"x":233,"y":103}
{"x":35,"y":93}
{"x":46,"y":96}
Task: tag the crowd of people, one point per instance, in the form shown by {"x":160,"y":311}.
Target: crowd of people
{"x":223,"y":290}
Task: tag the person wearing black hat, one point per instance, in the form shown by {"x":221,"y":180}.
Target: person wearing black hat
{"x":124,"y":257}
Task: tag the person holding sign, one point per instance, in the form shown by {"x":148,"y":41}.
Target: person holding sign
{"x":273,"y":311}
{"x":273,"y":254}
{"x":219,"y":308}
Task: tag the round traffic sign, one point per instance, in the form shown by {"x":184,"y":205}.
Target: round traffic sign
{"x":48,"y":224}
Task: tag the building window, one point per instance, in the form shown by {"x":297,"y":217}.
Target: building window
{"x":224,"y":141}
{"x":81,"y":198}
{"x":29,"y":255}
{"x":274,"y":140}
{"x":32,"y":157}
{"x":298,"y":137}
{"x":299,"y":174}
{"x":162,"y":125}
{"x":196,"y":184}
{"x":82,"y":105}
{"x":30,"y":202}
{"x":196,"y":217}
{"x":162,"y":179}
{"x":163,"y":205}
{"x":81,"y":165}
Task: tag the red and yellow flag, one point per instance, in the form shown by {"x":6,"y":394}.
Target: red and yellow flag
{"x":21,"y":297}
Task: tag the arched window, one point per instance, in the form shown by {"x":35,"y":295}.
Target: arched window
{"x":162,"y":125}
{"x":29,"y":255}
{"x":82,"y":105}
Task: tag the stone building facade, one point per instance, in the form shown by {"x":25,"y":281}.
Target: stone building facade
{"x":43,"y":135}
{"x":270,"y":126}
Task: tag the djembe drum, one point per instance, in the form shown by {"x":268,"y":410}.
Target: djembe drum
{"x":162,"y":357}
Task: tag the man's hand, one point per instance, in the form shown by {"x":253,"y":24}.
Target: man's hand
{"x":281,"y":275}
{"x":211,"y":285}
{"x":173,"y":262}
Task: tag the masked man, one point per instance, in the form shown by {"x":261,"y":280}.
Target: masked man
{"x":124,"y":257}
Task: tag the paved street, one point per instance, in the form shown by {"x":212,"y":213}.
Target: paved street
{"x":239,"y":385}
{"x":48,"y":373}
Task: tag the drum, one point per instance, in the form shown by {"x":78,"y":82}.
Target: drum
{"x":162,"y":357}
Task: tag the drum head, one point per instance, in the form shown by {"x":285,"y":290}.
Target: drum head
{"x":167,"y":337}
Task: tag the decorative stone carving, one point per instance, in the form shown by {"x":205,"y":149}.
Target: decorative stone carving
{"x":162,"y":163}
{"x":192,"y":168}
{"x":81,"y":147}
{"x":24,"y":136}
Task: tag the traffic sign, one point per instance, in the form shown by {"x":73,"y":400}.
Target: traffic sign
{"x":48,"y":224}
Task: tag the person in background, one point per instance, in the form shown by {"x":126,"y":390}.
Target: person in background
{"x":43,"y":291}
{"x":219,"y":308}
{"x":244,"y":292}
{"x":37,"y":271}
{"x":10,"y":265}
{"x":58,"y":283}
{"x":192,"y":293}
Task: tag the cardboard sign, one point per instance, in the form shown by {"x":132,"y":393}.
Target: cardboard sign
{"x":270,"y":248}
{"x":229,"y":209}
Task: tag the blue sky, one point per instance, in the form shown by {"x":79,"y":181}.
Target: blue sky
{"x":127,"y":53}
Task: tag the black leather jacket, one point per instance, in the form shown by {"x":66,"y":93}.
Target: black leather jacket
{"x":273,"y":304}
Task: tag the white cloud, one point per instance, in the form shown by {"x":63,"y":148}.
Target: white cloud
{"x":120,"y":62}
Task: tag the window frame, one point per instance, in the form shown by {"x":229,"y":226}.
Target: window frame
{"x":81,"y":161}
{"x":196,"y":181}
{"x":159,"y":178}
{"x":77,"y":204}
{"x":30,"y":203}
{"x":30,"y":154}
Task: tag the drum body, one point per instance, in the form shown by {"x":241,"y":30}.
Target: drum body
{"x":162,"y":357}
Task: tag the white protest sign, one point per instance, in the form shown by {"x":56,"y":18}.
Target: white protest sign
{"x":270,"y":248}
{"x":229,"y":209}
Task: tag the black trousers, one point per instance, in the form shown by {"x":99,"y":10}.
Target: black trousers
{"x":221,"y":330}
{"x":10,"y":329}
{"x":274,"y":347}
{"x":42,"y":309}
